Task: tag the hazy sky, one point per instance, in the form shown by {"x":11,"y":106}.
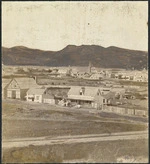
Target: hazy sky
{"x":53,"y":25}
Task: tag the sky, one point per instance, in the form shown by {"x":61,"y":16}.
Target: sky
{"x":54,"y":25}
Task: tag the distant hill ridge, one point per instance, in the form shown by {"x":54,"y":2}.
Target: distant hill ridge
{"x":110,"y":57}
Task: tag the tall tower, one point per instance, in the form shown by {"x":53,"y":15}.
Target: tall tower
{"x":89,"y":67}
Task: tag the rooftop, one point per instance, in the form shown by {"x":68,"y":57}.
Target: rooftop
{"x":5,"y":82}
{"x":36,"y":91}
{"x":26,"y":83}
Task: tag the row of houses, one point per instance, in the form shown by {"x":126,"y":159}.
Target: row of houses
{"x":140,"y":76}
{"x":27,"y":89}
{"x":92,"y":76}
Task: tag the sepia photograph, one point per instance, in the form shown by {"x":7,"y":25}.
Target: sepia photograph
{"x":74,"y":82}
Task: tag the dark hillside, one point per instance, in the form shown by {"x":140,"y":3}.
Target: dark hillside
{"x":111,"y":57}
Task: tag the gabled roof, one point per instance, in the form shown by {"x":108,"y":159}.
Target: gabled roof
{"x":110,"y":95}
{"x":26,"y":83}
{"x":36,"y":91}
{"x":5,"y":82}
{"x":47,"y":96}
{"x":89,"y":91}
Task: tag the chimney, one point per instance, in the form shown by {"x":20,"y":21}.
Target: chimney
{"x":35,"y":78}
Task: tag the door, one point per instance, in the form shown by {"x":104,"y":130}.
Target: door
{"x":13,"y":94}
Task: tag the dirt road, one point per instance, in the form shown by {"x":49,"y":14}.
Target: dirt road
{"x":37,"y":141}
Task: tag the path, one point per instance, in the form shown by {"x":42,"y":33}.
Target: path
{"x":47,"y":140}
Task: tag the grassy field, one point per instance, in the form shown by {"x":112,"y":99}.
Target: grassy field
{"x":43,"y":80}
{"x":24,"y":120}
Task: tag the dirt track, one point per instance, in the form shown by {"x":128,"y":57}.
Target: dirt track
{"x":74,"y":139}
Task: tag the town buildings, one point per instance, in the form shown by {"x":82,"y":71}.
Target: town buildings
{"x":137,"y":76}
{"x":108,"y":92}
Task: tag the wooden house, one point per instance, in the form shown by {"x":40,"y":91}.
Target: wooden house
{"x":87,"y":96}
{"x":47,"y":94}
{"x":18,"y":87}
{"x":35,"y":94}
{"x":96,"y":76}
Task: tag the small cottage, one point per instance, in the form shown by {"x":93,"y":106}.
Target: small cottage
{"x":35,"y":95}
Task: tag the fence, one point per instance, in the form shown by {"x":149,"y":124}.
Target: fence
{"x":125,"y":111}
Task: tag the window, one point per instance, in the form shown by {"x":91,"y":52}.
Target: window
{"x":37,"y":97}
{"x":30,"y":98}
{"x":17,"y":94}
{"x":98,"y":93}
{"x":81,"y":93}
{"x":82,"y":90}
{"x":106,"y":90}
{"x":9,"y":94}
{"x":103,"y":100}
{"x":14,"y":86}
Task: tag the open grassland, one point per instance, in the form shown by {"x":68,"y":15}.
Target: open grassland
{"x":22,"y":120}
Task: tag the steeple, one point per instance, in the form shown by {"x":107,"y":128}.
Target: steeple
{"x":89,"y":67}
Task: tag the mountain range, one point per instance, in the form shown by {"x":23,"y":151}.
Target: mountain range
{"x":110,"y":57}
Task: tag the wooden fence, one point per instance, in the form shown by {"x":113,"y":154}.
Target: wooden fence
{"x":126,"y":111}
